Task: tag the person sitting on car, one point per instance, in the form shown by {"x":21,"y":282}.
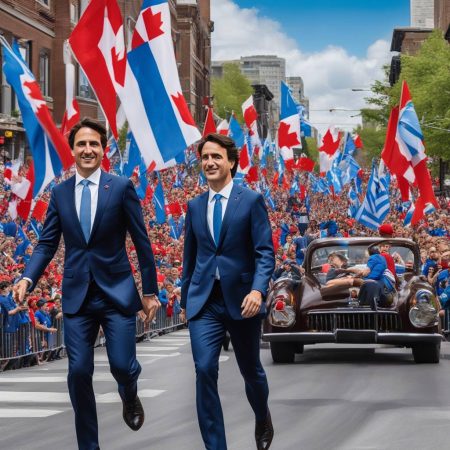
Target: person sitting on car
{"x":378,"y":287}
{"x":339,"y":273}
{"x":288,"y":269}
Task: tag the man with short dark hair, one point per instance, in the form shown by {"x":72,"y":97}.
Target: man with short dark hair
{"x":94,"y":210}
{"x":228,"y":262}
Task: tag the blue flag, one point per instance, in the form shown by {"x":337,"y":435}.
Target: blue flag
{"x":159,"y":203}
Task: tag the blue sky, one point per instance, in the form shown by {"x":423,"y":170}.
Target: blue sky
{"x":350,"y":24}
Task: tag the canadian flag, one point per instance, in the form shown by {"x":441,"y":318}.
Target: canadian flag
{"x":223,"y":126}
{"x":251,"y":121}
{"x":328,"y":150}
{"x":72,"y":112}
{"x":97,"y":42}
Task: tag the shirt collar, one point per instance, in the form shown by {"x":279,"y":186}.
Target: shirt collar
{"x":94,"y":178}
{"x":225,"y":192}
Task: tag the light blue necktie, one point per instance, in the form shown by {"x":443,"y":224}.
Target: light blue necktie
{"x":217,"y":217}
{"x":85,"y":209}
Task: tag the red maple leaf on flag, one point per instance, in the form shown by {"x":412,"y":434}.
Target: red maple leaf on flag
{"x":329,"y":145}
{"x":183,"y":109}
{"x":34,"y":94}
{"x":153,"y":24}
{"x":286,"y":139}
{"x":250,"y":115}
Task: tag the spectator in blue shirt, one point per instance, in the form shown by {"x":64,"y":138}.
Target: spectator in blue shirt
{"x":431,"y":262}
{"x":10,"y":310}
{"x":43,"y":322}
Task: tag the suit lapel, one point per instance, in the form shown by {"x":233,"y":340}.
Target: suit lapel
{"x":233,"y":202}
{"x":204,"y":215}
{"x":73,"y":217}
{"x":104,"y":192}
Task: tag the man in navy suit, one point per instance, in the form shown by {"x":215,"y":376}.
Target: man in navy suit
{"x":93,"y":211}
{"x":228,"y":263}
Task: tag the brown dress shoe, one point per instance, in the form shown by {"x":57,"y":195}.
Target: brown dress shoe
{"x":264,"y":433}
{"x":133,"y":413}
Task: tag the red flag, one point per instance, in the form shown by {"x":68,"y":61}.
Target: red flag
{"x":391,"y":155}
{"x":210,"y":126}
{"x":40,"y":209}
{"x":97,"y":42}
{"x":305,"y":164}
{"x":24,"y":206}
{"x":244,"y":159}
{"x":358,"y":142}
{"x":252,"y":175}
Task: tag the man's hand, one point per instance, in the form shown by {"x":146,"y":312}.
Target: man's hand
{"x":150,"y":304}
{"x":251,"y":304}
{"x":182,"y":315}
{"x":19,"y":290}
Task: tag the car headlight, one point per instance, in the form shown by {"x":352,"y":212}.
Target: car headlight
{"x":282,"y":310}
{"x":423,"y":311}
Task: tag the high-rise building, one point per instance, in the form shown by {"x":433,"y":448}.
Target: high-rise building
{"x":298,"y":91}
{"x":422,"y":13}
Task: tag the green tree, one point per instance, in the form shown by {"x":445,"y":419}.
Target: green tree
{"x":230,"y":91}
{"x":373,"y":141}
{"x":428,"y":76}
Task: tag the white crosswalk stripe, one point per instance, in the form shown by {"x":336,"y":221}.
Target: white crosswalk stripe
{"x":12,"y":399}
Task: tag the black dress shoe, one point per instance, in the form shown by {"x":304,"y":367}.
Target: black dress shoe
{"x":133,"y":413}
{"x":264,"y":433}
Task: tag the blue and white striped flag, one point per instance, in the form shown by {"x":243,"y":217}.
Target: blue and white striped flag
{"x":376,"y":205}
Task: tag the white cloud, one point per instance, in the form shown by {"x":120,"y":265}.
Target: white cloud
{"x":329,"y":75}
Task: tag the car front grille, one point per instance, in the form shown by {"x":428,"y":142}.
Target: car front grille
{"x":382,"y":321}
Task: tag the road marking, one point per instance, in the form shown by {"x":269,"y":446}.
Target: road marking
{"x":6,"y":413}
{"x":114,"y":397}
{"x":54,"y":379}
{"x":223,"y":358}
{"x":157,"y":355}
{"x":63,"y":397}
{"x":155,"y":349}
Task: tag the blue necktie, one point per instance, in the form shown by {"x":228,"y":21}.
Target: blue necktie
{"x":217,"y":217}
{"x":85,"y":209}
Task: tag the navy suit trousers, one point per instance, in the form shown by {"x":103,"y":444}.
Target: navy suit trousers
{"x":207,"y":331}
{"x":80,"y":333}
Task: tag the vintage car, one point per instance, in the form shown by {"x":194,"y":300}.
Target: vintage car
{"x":307,"y":311}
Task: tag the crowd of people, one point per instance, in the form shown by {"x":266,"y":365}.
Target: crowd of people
{"x":296,"y":218}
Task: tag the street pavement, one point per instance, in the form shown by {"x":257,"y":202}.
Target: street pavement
{"x":332,"y":397}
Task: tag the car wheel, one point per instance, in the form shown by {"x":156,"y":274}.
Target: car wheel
{"x":299,"y":348}
{"x":426,"y":353}
{"x":283,"y":352}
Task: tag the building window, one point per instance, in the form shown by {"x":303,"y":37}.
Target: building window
{"x":44,"y":73}
{"x":74,"y":14}
{"x":44,"y":2}
{"x":84,"y":89}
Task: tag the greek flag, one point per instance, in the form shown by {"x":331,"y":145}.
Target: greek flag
{"x":375,"y":206}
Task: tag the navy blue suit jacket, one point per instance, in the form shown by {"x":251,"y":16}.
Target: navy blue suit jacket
{"x":244,"y":254}
{"x":104,"y":257}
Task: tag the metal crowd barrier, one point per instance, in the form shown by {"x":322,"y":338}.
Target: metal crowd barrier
{"x":446,"y":323}
{"x":26,"y":346}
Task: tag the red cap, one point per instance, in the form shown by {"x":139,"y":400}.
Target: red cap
{"x":386,"y":230}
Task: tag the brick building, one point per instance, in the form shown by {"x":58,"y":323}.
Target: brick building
{"x":42,"y":26}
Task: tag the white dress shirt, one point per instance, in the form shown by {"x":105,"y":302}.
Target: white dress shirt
{"x":225,"y":193}
{"x":94,"y":179}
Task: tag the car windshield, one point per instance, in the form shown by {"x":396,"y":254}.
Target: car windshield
{"x":357,"y":256}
